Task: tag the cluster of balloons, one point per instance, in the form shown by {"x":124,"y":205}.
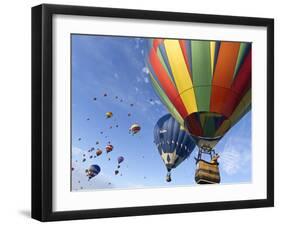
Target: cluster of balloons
{"x":94,"y":170}
{"x":206,"y":87}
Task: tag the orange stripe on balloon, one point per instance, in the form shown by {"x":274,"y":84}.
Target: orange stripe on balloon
{"x":226,"y":63}
{"x":166,"y":84}
{"x":241,"y":85}
{"x":223,"y":75}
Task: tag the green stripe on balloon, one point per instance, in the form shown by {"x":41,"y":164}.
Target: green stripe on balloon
{"x":209,"y":128}
{"x":241,"y":55}
{"x":165,"y":100}
{"x":201,"y":73}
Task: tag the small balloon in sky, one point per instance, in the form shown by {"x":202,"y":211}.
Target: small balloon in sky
{"x":92,"y":171}
{"x":135,"y":128}
{"x":108,"y":114}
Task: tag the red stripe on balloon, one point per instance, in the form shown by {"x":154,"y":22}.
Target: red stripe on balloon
{"x":183,"y":49}
{"x":225,"y":101}
{"x":243,"y":80}
{"x":218,"y":98}
{"x":166,"y":84}
{"x":223,"y":74}
{"x":156,"y":43}
{"x":192,"y":122}
{"x":240,"y":86}
{"x":230,"y":102}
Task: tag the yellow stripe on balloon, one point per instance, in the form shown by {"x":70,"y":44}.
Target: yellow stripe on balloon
{"x":181,"y":75}
{"x":212,"y":52}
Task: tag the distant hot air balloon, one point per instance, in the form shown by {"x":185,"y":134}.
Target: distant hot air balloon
{"x":98,"y":152}
{"x":108,"y":114}
{"x":174,"y":144}
{"x":109,"y":148}
{"x":205,"y":85}
{"x":135,"y":128}
{"x":120,"y":159}
{"x":93,"y":171}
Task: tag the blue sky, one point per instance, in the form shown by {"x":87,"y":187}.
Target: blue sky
{"x":116,"y":66}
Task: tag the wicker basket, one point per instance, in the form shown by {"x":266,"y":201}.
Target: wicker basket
{"x":207,"y":173}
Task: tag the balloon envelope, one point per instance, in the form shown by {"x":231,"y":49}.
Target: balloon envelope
{"x":109,"y":148}
{"x":205,"y":85}
{"x":120,"y":159}
{"x":93,"y":171}
{"x":173,"y":143}
{"x":135,"y":128}
{"x":108,"y":114}
{"x":98,"y":152}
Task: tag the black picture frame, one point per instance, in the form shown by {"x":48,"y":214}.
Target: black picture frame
{"x":42,"y":111}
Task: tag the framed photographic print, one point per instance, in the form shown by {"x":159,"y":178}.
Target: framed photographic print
{"x":145,"y":112}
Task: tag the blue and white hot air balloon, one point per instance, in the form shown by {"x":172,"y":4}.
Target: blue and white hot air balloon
{"x":93,"y":171}
{"x":173,"y":143}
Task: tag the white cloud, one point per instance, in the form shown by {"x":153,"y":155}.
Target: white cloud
{"x":145,"y":70}
{"x":146,"y":80}
{"x":138,"y":79}
{"x":76,"y":152}
{"x":236,"y":155}
{"x":158,"y":102}
{"x":230,"y":161}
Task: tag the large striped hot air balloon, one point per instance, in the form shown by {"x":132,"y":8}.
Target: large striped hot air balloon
{"x":173,"y":143}
{"x":205,"y":85}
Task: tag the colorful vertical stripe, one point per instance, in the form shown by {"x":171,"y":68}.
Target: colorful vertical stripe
{"x":206,"y":85}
